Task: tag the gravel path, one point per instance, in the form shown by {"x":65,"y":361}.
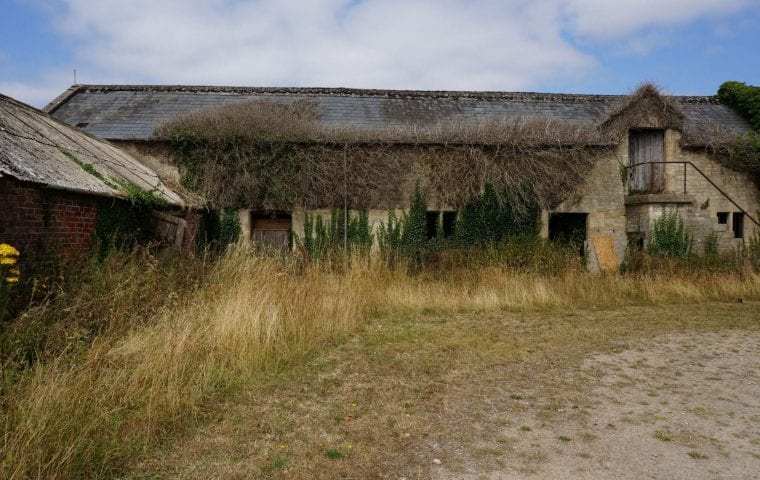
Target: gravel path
{"x":683,"y":406}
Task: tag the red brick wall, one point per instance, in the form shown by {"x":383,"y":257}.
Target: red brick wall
{"x":42,"y":221}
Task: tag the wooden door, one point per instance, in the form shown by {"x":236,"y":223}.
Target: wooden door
{"x":647,"y":148}
{"x":271,"y":231}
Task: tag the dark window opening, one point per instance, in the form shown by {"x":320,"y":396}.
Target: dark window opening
{"x":449,"y":223}
{"x":432,"y":224}
{"x":568,"y":229}
{"x":723,"y":218}
{"x":646,"y":152}
{"x":738,"y":225}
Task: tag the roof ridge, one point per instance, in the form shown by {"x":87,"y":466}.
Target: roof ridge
{"x":333,"y":91}
{"x":62,"y":98}
{"x":358,"y":92}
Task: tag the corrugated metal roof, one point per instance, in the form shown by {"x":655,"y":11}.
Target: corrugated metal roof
{"x":133,"y":112}
{"x":35,"y":147}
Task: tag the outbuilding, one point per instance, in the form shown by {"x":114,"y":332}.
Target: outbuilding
{"x":58,"y":185}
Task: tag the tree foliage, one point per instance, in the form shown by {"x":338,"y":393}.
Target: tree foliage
{"x":743,"y":98}
{"x":734,"y":149}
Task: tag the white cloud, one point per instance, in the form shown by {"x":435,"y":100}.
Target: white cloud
{"x":610,"y":19}
{"x":390,"y":44}
{"x":40,"y":92}
{"x":420,"y":44}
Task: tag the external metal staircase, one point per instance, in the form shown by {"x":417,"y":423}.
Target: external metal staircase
{"x":686,"y":164}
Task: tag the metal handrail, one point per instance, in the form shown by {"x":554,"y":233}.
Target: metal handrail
{"x":685,"y":163}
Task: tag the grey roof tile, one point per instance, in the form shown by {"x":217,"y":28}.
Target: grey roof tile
{"x":133,"y":112}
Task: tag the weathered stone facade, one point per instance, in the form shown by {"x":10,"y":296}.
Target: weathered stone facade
{"x":628,"y":217}
{"x":713,"y":200}
{"x":615,"y":217}
{"x":688,"y":189}
{"x":602,"y":198}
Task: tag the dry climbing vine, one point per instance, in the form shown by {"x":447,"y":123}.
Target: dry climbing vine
{"x":272,"y":156}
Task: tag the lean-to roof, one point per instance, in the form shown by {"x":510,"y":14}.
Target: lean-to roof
{"x":36,"y":148}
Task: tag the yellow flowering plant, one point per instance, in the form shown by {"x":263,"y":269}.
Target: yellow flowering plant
{"x":9,"y":275}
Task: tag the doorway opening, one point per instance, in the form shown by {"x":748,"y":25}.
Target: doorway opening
{"x":569,"y":229}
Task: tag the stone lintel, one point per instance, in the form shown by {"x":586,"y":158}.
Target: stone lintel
{"x":639,"y":199}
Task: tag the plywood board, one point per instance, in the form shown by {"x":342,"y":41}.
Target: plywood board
{"x":604,"y":247}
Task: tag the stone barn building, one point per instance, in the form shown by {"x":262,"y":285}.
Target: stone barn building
{"x":657,"y":159}
{"x":55,"y":180}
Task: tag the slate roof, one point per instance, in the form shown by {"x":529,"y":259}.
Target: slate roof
{"x":36,"y":148}
{"x":132,"y":112}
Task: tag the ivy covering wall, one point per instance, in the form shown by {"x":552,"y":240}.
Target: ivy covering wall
{"x":744,"y":152}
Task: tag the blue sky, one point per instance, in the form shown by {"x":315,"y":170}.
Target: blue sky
{"x":586,"y":46}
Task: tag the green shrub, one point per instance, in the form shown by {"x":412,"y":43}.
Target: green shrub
{"x":487,"y":219}
{"x":711,"y":244}
{"x":330,"y":241}
{"x":118,"y":225}
{"x":229,"y":226}
{"x":484,"y":222}
{"x":669,"y":237}
{"x":414,"y":240}
{"x":389,"y":239}
{"x":360,"y":234}
{"x":218,"y":228}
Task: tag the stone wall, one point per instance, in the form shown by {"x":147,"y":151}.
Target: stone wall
{"x":602,"y":197}
{"x":376,"y":217}
{"x":696,"y":199}
{"x":615,"y":218}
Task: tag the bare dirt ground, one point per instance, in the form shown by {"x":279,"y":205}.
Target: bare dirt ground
{"x":631,"y":392}
{"x":681,"y":406}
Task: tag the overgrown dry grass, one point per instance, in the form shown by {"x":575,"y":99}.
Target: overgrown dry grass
{"x":493,"y":288}
{"x":88,"y":412}
{"x":83,"y":416}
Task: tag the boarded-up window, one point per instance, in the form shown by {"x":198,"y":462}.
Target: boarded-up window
{"x":646,"y":152}
{"x":271,"y":230}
